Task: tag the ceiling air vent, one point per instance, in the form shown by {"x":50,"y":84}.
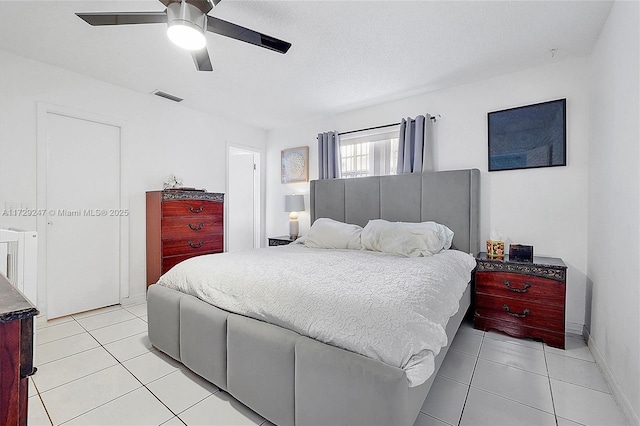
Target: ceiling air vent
{"x":167,"y":96}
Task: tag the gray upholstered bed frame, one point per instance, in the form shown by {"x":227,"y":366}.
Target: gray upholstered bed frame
{"x":293,"y":380}
{"x":449,"y":197}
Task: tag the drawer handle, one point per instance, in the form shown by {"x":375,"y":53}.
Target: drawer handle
{"x":199,"y":244}
{"x":515,"y":314}
{"x":198,"y":210}
{"x":196,"y":227}
{"x":517,"y":290}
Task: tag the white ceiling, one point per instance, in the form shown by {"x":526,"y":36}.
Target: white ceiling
{"x":345,"y":54}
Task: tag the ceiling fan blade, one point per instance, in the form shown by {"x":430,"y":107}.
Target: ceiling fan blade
{"x":201,"y":59}
{"x":227,"y":29}
{"x":124,"y":18}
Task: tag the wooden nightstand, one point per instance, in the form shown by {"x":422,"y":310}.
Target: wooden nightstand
{"x":523,"y":299}
{"x":280,"y":241}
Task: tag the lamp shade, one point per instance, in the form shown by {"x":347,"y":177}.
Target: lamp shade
{"x":294,"y":203}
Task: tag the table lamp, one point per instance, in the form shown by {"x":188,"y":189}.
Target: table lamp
{"x":293,"y":204}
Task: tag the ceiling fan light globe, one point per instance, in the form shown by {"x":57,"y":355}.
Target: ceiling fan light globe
{"x":186,"y":25}
{"x":186,"y":36}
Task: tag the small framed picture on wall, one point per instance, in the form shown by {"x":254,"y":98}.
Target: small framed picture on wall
{"x":295,"y":165}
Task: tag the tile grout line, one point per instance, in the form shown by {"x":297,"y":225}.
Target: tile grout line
{"x":512,"y":400}
{"x":582,"y":386}
{"x":118,"y":363}
{"x":553,"y":402}
{"x":98,"y":406}
{"x":87,"y":375}
{"x":571,"y":383}
{"x":571,"y":357}
{"x":514,"y":366}
{"x":509,"y":366}
{"x":89,"y":332}
{"x":76,"y":379}
{"x":112,"y":324}
{"x":135,"y":377}
{"x":41,"y":401}
{"x":264,"y":422}
{"x":464,"y":404}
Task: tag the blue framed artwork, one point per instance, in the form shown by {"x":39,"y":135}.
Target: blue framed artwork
{"x":528,"y":136}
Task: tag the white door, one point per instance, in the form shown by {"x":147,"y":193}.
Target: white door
{"x":243,"y":205}
{"x":83,"y":223}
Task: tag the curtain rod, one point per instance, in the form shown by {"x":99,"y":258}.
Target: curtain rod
{"x":433,"y":118}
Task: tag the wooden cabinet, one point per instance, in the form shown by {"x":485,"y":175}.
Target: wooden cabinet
{"x":523,"y":299}
{"x":16,"y":353}
{"x":280,"y":241}
{"x":181,"y":224}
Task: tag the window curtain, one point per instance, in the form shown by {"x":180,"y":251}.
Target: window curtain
{"x":415,"y":145}
{"x":328,"y":155}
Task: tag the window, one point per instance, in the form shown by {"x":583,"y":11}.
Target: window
{"x":369,"y":153}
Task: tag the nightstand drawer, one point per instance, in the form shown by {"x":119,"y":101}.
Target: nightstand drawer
{"x":522,"y":312}
{"x":519,"y":286}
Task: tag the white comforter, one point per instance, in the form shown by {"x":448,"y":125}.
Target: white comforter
{"x":390,"y":308}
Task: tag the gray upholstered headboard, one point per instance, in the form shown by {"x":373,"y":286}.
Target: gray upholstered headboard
{"x":450,"y":197}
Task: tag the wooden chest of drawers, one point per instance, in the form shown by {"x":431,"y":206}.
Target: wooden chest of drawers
{"x":16,"y":354}
{"x":523,"y":299}
{"x":180,"y":225}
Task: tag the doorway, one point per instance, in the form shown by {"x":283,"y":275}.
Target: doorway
{"x":243,"y":198}
{"x":79,"y":185}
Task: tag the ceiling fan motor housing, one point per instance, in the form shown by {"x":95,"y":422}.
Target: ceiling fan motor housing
{"x":184,"y":14}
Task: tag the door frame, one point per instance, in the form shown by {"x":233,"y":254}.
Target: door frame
{"x":43,"y":109}
{"x":257,"y":191}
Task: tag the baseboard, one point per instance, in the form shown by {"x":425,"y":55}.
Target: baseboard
{"x":574,"y":328}
{"x":585,"y":334}
{"x":134,"y":300}
{"x":41,"y":319}
{"x":618,"y":394}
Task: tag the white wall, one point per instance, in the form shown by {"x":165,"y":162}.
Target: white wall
{"x":545,"y":207}
{"x":159,"y":137}
{"x":614,"y":206}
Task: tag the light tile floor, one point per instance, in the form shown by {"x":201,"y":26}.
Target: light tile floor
{"x":99,"y":368}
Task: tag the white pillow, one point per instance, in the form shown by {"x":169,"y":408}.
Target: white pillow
{"x":446,"y":234}
{"x":331,"y":234}
{"x":406,"y":239}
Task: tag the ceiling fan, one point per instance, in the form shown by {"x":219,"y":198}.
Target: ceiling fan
{"x":187,"y":22}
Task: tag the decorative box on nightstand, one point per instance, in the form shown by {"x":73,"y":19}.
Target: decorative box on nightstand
{"x":280,"y":241}
{"x":523,"y":299}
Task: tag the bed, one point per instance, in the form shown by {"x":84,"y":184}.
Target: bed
{"x":291,"y":379}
